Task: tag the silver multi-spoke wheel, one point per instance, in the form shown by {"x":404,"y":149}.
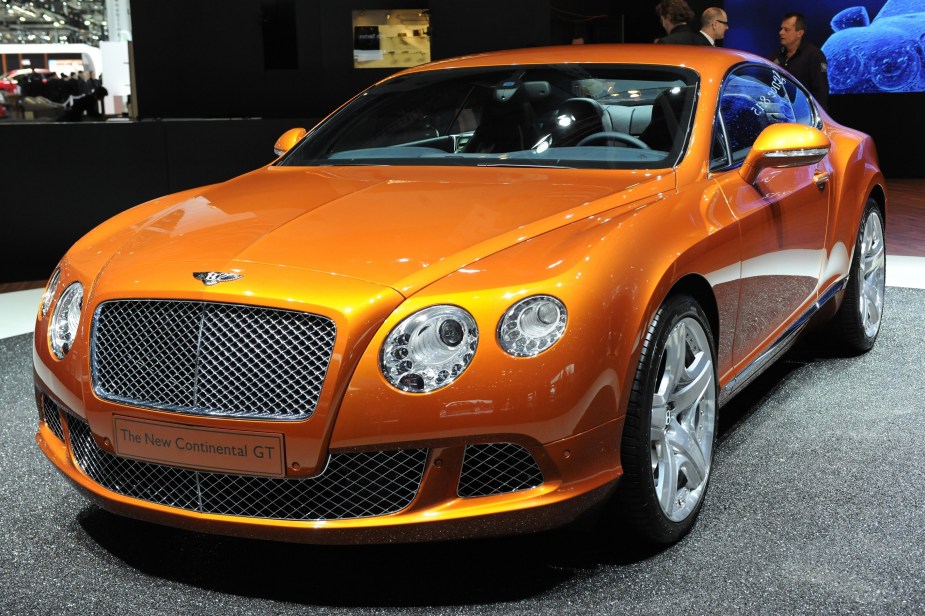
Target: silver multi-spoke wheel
{"x":857,"y":322}
{"x":872,"y":274}
{"x":668,"y":434}
{"x":683,"y":420}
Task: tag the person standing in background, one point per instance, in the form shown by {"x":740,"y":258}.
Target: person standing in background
{"x":676,"y":16}
{"x":804,"y":60}
{"x":713,"y":24}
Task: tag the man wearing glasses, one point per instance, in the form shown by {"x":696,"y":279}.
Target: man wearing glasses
{"x":713,"y":25}
{"x":675,"y":14}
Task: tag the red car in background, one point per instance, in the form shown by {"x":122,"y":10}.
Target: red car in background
{"x":9,"y":80}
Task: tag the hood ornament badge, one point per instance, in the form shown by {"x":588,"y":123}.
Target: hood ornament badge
{"x":212,"y":278}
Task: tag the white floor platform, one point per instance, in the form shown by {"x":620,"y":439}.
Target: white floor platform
{"x":18,"y":308}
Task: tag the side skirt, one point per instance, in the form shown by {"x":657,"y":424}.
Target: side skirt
{"x":780,"y":346}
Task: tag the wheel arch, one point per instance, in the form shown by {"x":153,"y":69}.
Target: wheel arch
{"x":878,"y":194}
{"x":854,"y":156}
{"x":690,"y":283}
{"x":698,"y":287}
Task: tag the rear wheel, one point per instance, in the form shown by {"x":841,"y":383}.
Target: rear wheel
{"x":668,"y":437}
{"x":857,"y":321}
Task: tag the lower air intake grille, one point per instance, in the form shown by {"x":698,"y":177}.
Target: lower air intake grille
{"x":497,"y":468}
{"x":352,"y":486}
{"x":52,"y":417}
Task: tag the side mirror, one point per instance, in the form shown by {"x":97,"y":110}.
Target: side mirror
{"x":287,"y":140}
{"x":784,"y":145}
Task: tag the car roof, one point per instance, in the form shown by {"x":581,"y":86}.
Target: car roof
{"x":702,"y":59}
{"x":22,"y":71}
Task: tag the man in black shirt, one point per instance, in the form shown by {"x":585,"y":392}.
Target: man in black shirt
{"x":804,"y":60}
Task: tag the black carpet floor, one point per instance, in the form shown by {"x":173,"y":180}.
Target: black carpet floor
{"x":817,"y":506}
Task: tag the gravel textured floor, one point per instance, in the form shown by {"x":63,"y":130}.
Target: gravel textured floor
{"x":816,"y":507}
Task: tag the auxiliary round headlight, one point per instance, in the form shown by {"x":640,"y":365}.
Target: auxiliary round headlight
{"x":532,"y":325}
{"x":50,"y":289}
{"x":429,"y":349}
{"x":65,"y":320}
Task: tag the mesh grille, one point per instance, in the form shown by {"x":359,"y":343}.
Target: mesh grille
{"x":210,"y":358}
{"x":497,"y":468}
{"x":52,"y":417}
{"x":352,"y":486}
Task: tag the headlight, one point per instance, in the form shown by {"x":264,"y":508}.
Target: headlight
{"x":65,"y":320}
{"x":532,"y":325}
{"x":429,"y":349}
{"x":50,"y":291}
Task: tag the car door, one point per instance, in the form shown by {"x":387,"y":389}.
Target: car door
{"x":781,"y":216}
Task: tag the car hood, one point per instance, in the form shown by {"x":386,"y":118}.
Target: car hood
{"x":401,"y":227}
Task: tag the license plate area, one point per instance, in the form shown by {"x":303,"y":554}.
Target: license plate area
{"x":208,"y":449}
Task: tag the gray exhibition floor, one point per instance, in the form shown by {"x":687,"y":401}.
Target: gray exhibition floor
{"x":817,"y":506}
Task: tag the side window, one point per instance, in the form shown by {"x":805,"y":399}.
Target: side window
{"x":802,"y":107}
{"x":754,"y":97}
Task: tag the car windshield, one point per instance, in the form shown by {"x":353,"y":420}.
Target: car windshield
{"x":569,"y":115}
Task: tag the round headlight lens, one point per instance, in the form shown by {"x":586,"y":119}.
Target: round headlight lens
{"x":65,"y":320}
{"x":50,"y":291}
{"x":429,"y":349}
{"x":532,"y":325}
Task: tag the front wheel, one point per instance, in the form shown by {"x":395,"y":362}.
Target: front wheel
{"x":668,"y":436}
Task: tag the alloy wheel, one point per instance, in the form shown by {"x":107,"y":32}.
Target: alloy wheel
{"x":683,"y":420}
{"x":873,"y":274}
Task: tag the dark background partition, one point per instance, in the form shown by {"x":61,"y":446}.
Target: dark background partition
{"x":215,"y":88}
{"x":232,"y":61}
{"x":61,"y":179}
{"x":236,"y":67}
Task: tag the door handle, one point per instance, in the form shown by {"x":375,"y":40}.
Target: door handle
{"x":821,"y":178}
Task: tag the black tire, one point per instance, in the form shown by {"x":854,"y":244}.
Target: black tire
{"x":855,"y":327}
{"x":662,"y":514}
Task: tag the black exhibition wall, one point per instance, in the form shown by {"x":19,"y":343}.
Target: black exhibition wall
{"x":289,"y":58}
{"x":62,"y":179}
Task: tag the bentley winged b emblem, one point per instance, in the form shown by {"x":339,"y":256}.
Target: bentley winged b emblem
{"x":212,"y":278}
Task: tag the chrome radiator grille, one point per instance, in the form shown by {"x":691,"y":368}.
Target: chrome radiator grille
{"x":352,"y":486}
{"x":497,"y":468}
{"x":210,"y":358}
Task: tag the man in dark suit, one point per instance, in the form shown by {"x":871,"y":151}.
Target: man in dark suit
{"x":713,"y":25}
{"x":676,"y":16}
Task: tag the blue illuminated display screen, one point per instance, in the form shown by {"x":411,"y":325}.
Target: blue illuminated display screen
{"x":871,"y":47}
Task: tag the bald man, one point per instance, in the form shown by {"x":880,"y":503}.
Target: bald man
{"x":713,"y":24}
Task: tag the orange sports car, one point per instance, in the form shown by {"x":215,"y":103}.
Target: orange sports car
{"x":483,"y":297}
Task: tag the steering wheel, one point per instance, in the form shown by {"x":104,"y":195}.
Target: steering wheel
{"x":611,"y":134}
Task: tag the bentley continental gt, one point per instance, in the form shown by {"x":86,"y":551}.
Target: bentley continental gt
{"x":488,"y":295}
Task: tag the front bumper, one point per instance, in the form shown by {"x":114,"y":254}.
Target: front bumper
{"x":475,"y":487}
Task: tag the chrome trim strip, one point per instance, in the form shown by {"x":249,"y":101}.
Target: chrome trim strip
{"x":797,"y":153}
{"x":780,"y":346}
